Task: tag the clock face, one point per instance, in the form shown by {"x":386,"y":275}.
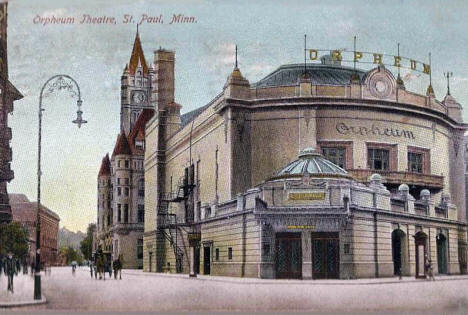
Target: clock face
{"x":139,"y":97}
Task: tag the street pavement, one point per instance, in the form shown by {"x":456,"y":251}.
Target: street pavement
{"x":138,"y":291}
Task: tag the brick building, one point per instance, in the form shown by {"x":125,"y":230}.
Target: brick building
{"x":25,"y":212}
{"x":6,"y":107}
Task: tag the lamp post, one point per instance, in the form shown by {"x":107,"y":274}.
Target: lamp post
{"x":56,"y":83}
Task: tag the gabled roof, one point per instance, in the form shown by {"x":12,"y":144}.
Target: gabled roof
{"x":138,"y":130}
{"x":137,"y":57}
{"x":121,"y":146}
{"x":105,"y":166}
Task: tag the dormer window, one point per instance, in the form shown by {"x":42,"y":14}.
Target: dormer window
{"x":140,"y":144}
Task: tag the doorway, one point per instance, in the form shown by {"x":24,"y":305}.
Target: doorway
{"x":442,"y":253}
{"x":420,"y":240}
{"x":399,"y":252}
{"x":288,"y":256}
{"x":206,"y":260}
{"x":150,"y":261}
{"x":196,"y":259}
{"x":325,"y":255}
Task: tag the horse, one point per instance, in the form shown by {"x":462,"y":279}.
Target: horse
{"x":101,"y":265}
{"x":117,"y":265}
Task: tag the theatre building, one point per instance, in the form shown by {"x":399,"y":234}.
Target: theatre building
{"x":321,"y":171}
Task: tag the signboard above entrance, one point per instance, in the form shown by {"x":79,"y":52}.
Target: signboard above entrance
{"x":315,"y":195}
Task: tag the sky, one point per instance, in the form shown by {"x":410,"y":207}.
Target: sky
{"x":267,"y":33}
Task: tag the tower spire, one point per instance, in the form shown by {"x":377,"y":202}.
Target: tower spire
{"x":138,"y":57}
{"x":448,"y":75}
{"x":430,"y":90}
{"x":236,"y":58}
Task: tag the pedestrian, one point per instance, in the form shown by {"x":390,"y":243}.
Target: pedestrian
{"x":10,"y":270}
{"x":429,"y":270}
{"x":91,"y":268}
{"x":109,"y":265}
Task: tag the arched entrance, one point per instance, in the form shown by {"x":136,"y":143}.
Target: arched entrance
{"x":399,"y":252}
{"x":442,"y":253}
{"x":420,"y":241}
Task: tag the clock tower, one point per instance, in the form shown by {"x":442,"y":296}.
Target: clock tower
{"x":135,"y":88}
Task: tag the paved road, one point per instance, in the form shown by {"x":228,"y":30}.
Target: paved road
{"x":139,"y":291}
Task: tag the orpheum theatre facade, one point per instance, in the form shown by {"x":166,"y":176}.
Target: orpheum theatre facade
{"x":321,"y":171}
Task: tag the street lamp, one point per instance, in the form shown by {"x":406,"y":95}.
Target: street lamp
{"x":56,"y":83}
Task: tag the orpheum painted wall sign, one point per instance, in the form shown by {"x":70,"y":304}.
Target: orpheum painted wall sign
{"x":345,"y":129}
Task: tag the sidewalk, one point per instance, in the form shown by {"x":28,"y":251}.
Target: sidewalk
{"x":367,"y":281}
{"x":23,"y":295}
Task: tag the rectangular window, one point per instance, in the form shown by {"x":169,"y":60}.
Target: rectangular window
{"x":347,"y":249}
{"x":230,"y":253}
{"x":140,"y":248}
{"x":126,"y":163}
{"x":118,"y":181}
{"x":119,"y":212}
{"x":378,"y":159}
{"x":108,"y":220}
{"x":126,"y":213}
{"x":126,"y":181}
{"x":335,"y":155}
{"x":119,"y":191}
{"x":217,"y":254}
{"x":118,"y":163}
{"x":415,"y":162}
{"x":127,"y":191}
{"x":141,"y":213}
{"x":419,"y":160}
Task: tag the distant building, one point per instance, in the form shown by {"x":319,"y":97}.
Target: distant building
{"x":25,"y":212}
{"x":6,"y":107}
{"x":121,"y":183}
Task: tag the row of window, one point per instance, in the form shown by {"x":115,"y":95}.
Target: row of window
{"x":140,"y":213}
{"x":379,"y":158}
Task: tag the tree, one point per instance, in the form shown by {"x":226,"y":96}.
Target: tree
{"x":71,"y":254}
{"x":86,"y":245}
{"x":14,"y":239}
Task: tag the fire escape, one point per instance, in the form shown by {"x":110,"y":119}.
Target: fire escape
{"x":168,"y":223}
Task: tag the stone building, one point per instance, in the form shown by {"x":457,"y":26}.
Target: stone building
{"x":376,"y":189}
{"x":25,"y":212}
{"x":6,"y":107}
{"x":121,"y":177}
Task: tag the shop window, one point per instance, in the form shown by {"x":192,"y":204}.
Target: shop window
{"x":378,"y":159}
{"x":217,"y":254}
{"x":335,"y":155}
{"x":140,"y":248}
{"x":230,"y":253}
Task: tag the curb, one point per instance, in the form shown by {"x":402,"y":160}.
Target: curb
{"x":23,"y":303}
{"x":294,"y":282}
